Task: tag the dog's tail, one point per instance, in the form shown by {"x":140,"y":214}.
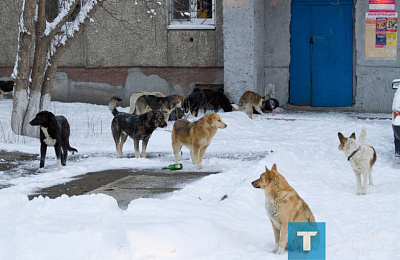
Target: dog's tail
{"x":112,"y":105}
{"x":71,"y":149}
{"x":237,"y":106}
{"x":363,"y":135}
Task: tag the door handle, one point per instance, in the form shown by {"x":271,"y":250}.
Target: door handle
{"x":312,"y":39}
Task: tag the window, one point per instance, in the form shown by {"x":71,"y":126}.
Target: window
{"x":191,"y":14}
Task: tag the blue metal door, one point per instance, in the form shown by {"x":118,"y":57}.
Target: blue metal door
{"x":321,"y":66}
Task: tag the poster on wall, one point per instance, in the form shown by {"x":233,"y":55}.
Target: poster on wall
{"x":381,"y":5}
{"x":381,"y":35}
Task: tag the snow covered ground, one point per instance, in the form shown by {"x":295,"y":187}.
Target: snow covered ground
{"x":196,"y":222}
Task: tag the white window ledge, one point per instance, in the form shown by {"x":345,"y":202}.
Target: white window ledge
{"x":188,"y":26}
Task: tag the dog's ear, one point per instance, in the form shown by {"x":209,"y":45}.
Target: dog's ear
{"x":211,"y":119}
{"x":353,"y":135}
{"x":266,"y":169}
{"x":274,"y":167}
{"x":340,"y":135}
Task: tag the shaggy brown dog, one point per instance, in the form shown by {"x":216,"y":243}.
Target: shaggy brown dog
{"x":196,"y":136}
{"x":138,"y":127}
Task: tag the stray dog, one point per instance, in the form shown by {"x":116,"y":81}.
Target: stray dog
{"x":6,"y":86}
{"x":271,"y":104}
{"x":54,"y":131}
{"x":217,"y":99}
{"x":196,"y":136}
{"x":283,"y":205}
{"x":250,"y":99}
{"x":138,"y":127}
{"x":176,"y":113}
{"x":194,"y":102}
{"x":136,"y":95}
{"x":361,"y":156}
{"x":150,"y":102}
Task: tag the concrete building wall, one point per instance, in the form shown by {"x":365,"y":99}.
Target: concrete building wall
{"x":240,"y":61}
{"x":372,"y":77}
{"x":128,"y":53}
{"x":277,"y":47}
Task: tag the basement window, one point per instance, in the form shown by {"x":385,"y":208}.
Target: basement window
{"x":191,"y":14}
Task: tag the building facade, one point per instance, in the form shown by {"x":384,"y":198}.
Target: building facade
{"x":316,"y":53}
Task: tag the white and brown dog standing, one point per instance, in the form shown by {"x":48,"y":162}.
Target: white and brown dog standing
{"x":361,"y":156}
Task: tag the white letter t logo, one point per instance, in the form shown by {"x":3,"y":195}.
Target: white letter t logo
{"x":307,"y":239}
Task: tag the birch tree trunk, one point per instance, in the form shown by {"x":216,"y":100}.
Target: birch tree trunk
{"x":22,"y":70}
{"x":50,"y":39}
{"x":34,"y":80}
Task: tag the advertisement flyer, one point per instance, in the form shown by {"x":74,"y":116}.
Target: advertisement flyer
{"x":381,"y":35}
{"x":381,"y":5}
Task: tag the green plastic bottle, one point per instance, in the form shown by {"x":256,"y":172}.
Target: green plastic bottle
{"x":173,"y":167}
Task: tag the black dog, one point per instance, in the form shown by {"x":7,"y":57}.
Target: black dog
{"x":138,"y":127}
{"x":217,"y":99}
{"x":176,"y":113}
{"x":6,"y":86}
{"x":54,"y":131}
{"x":270,"y":105}
{"x":195,"y":101}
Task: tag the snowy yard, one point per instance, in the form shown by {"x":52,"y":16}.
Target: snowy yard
{"x":195,"y":222}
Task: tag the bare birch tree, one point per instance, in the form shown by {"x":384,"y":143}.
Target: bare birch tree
{"x":34,"y":79}
{"x":48,"y":40}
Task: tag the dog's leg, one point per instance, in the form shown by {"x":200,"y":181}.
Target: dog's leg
{"x":43,"y":150}
{"x":136,"y":147}
{"x":57,"y":149}
{"x":283,"y":240}
{"x":277,"y":236}
{"x":259,"y":110}
{"x":364,"y":186}
{"x":196,"y":156}
{"x":64,"y":155}
{"x":176,"y":147}
{"x":370,"y":178}
{"x":121,"y":145}
{"x":202,"y":152}
{"x":358,"y":178}
{"x":144,"y":145}
{"x":249,"y":109}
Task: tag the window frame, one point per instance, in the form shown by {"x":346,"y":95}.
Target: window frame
{"x":193,"y":22}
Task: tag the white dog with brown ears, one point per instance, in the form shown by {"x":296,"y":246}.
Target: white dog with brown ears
{"x":361,"y":156}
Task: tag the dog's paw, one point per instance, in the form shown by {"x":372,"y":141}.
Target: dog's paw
{"x":278,"y":251}
{"x":41,"y":170}
{"x":59,"y":165}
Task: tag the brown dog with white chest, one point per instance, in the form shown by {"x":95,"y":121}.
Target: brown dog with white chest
{"x":283,"y":205}
{"x":196,"y":136}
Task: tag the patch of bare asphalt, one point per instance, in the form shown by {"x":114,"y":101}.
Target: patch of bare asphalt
{"x":122,"y":184}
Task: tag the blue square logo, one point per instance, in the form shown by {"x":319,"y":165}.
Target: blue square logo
{"x":306,"y":240}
